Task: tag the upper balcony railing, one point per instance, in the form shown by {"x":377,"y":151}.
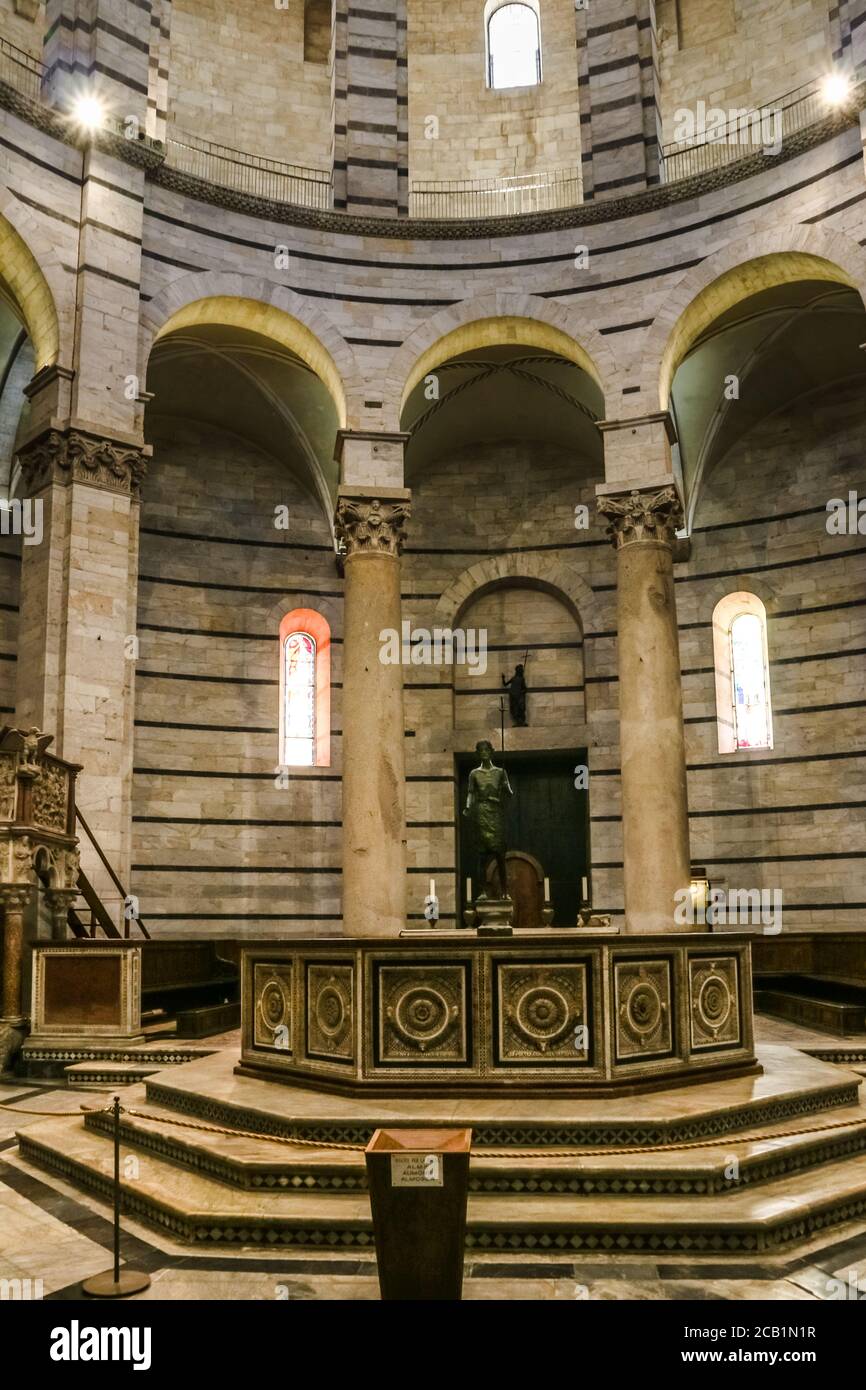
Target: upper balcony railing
{"x":20,"y":70}
{"x":249,"y":173}
{"x":761,"y":130}
{"x":496,"y":197}
{"x":712,"y":146}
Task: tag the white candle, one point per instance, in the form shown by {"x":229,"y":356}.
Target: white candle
{"x":583,"y":895}
{"x":432,"y":888}
{"x":469,"y":890}
{"x":547,"y":890}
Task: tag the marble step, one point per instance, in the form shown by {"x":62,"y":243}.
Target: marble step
{"x":49,"y":1061}
{"x":753,"y":1219}
{"x":265,"y":1164}
{"x":791,"y":1084}
{"x":107,"y":1076}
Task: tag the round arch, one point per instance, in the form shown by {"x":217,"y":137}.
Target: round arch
{"x":738,"y":271}
{"x":27,"y":280}
{"x":526,"y":570}
{"x":272,"y":311}
{"x":491,"y":321}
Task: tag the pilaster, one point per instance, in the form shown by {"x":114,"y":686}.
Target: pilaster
{"x":371,"y":109}
{"x":618,"y":80}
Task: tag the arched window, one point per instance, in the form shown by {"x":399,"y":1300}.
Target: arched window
{"x":513,"y":46}
{"x":743,"y":706}
{"x":305,"y":690}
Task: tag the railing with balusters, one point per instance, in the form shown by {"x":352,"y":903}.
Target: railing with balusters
{"x":21,"y":70}
{"x":496,"y":197}
{"x":249,"y":173}
{"x":746,"y":132}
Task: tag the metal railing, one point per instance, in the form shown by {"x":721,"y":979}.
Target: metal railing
{"x":249,"y":173}
{"x":100,"y":916}
{"x":496,"y":197}
{"x":746,"y":132}
{"x":21,"y":71}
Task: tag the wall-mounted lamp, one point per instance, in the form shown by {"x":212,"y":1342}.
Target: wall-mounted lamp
{"x":835,"y":88}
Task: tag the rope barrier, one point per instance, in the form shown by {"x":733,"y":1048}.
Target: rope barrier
{"x":723,"y":1142}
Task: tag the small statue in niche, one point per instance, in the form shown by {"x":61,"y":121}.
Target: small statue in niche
{"x":30,"y":743}
{"x":516,"y":687}
{"x":485,"y":806}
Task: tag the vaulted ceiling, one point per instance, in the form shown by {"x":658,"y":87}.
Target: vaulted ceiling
{"x":233,"y":379}
{"x":781,"y":345}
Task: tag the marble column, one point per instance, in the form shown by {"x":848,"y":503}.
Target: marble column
{"x":13,"y":902}
{"x":58,"y":901}
{"x":371,"y":529}
{"x":642,"y":524}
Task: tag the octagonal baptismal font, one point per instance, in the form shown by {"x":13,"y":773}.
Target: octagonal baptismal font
{"x":559,"y":1012}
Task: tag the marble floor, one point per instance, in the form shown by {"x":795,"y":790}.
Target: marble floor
{"x":55,"y":1235}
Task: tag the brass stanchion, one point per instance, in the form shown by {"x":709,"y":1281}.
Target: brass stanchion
{"x":116,"y":1282}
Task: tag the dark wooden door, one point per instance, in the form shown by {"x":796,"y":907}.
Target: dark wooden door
{"x":547,"y":817}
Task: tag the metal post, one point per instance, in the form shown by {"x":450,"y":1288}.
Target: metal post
{"x":114,"y":1282}
{"x":116,"y":1108}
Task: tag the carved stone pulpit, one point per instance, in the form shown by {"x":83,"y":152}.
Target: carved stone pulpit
{"x":38,"y":849}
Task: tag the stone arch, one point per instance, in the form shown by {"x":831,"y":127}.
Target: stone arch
{"x":488,"y":320}
{"x":31,"y":267}
{"x":275,"y":312}
{"x":757,"y":584}
{"x":539,"y":571}
{"x":777,"y":257}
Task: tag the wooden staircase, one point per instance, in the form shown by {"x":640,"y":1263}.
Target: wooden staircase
{"x":93,"y":917}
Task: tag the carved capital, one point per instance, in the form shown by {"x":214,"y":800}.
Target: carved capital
{"x":371,"y":525}
{"x":642,"y":516}
{"x":16,"y":898}
{"x":70,"y":456}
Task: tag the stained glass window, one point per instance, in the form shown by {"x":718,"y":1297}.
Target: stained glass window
{"x":299,"y":693}
{"x":513,"y":47}
{"x":749,"y":682}
{"x":744,"y":706}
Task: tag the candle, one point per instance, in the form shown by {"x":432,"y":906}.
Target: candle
{"x":547,"y":890}
{"x":432,"y":888}
{"x":583,"y":892}
{"x":469,"y":890}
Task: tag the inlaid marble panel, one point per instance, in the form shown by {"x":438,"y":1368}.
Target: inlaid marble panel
{"x":422,"y":1013}
{"x":272,"y":995}
{"x":714,"y":999}
{"x":642,"y":995}
{"x":542,"y":1013}
{"x":330,"y":1009}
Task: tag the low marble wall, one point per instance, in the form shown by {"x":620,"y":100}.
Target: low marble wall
{"x":536,"y":1013}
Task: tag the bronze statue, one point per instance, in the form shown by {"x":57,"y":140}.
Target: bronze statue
{"x":516,"y":687}
{"x":485,"y":805}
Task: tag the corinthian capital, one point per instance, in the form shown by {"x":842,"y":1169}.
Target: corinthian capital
{"x":67,"y":456}
{"x":642,"y":516}
{"x":372,"y":525}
